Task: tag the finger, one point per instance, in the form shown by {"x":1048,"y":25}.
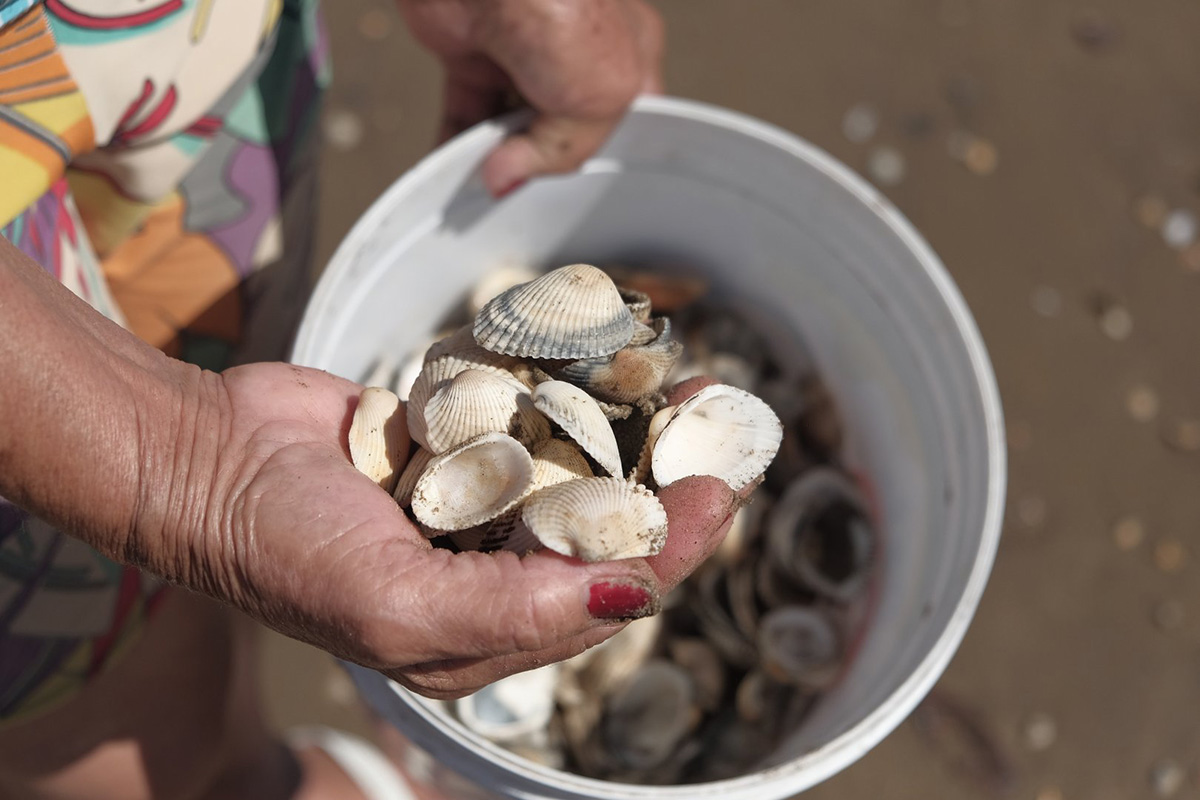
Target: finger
{"x":699,"y":511}
{"x":448,"y":680}
{"x":685,"y":389}
{"x":579,"y":65}
{"x":476,"y":90}
{"x":435,"y":605}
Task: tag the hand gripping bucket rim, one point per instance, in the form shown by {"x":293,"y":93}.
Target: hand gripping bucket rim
{"x":497,"y":769}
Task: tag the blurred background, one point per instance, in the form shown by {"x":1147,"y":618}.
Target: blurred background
{"x":1049,"y":151}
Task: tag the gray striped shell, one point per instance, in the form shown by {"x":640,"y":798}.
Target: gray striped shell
{"x":572,"y":312}
{"x":720,"y":431}
{"x":378,"y":438}
{"x":473,"y":483}
{"x":577,"y":413}
{"x":597,"y":519}
{"x":475,"y":402}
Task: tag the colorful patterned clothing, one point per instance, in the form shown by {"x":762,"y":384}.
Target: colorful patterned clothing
{"x":155,"y":157}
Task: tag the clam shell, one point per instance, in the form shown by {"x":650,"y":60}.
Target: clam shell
{"x":437,"y":373}
{"x":651,"y":715}
{"x":597,"y":519}
{"x":413,"y":470}
{"x":475,"y":402}
{"x":378,"y":437}
{"x":637,"y":302}
{"x":701,"y":660}
{"x":720,"y":431}
{"x":658,"y":423}
{"x":571,"y":312}
{"x":716,"y":622}
{"x":818,"y":532}
{"x":800,"y":646}
{"x":556,"y":461}
{"x":627,"y":375}
{"x":573,"y":410}
{"x":506,"y":532}
{"x":512,"y":710}
{"x":474,"y":483}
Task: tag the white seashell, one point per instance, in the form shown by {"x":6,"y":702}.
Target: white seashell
{"x":720,"y":431}
{"x":641,"y":471}
{"x":435,"y":375}
{"x":577,"y":413}
{"x":378,"y":438}
{"x":496,"y":281}
{"x":512,"y":710}
{"x":597,"y":519}
{"x":413,"y":470}
{"x":475,"y":402}
{"x":473,"y":483}
{"x":571,"y":312}
{"x":556,"y":461}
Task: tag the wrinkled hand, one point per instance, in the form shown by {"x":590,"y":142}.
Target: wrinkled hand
{"x":295,"y":536}
{"x":578,"y":63}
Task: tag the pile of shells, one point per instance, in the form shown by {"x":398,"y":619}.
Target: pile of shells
{"x":745,"y":647}
{"x":543,"y":424}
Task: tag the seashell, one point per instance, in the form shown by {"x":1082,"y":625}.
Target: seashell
{"x":720,"y":431}
{"x":556,"y":461}
{"x":701,"y":660}
{"x":516,"y":709}
{"x":378,"y":438}
{"x":530,"y":374}
{"x":818,"y":532}
{"x":597,"y":519}
{"x":475,"y":402}
{"x":642,"y":334}
{"x":637,"y":302}
{"x":820,"y":425}
{"x":629,"y":374}
{"x":737,"y":746}
{"x":496,"y":281}
{"x":410,"y":370}
{"x":650,"y":716}
{"x":658,"y":423}
{"x":743,"y":599}
{"x":573,"y":410}
{"x":413,"y":470}
{"x":800,"y":646}
{"x":571,"y":312}
{"x":437,"y":373}
{"x":474,"y":483}
{"x":717,"y":625}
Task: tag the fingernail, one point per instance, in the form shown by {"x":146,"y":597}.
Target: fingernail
{"x":512,"y":187}
{"x":621,"y":600}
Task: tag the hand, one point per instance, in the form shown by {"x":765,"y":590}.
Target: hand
{"x":296,"y":537}
{"x":579,"y":64}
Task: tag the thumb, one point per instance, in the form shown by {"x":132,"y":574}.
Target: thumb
{"x":550,"y":145}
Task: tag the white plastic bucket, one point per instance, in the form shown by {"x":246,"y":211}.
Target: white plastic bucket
{"x":779,"y":227}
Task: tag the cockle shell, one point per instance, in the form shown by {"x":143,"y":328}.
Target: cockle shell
{"x":473,"y":483}
{"x":818,"y":533}
{"x":637,"y":302}
{"x":650,"y":715}
{"x":556,"y":461}
{"x":476,"y":402}
{"x":597,"y":519}
{"x":378,"y":437}
{"x":512,"y":709}
{"x":720,"y":431}
{"x":658,"y":423}
{"x":629,"y":374}
{"x":800,"y":646}
{"x":439,"y":371}
{"x":413,"y":470}
{"x":577,"y":413}
{"x":572,"y":312}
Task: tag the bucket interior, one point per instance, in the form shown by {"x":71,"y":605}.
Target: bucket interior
{"x":827,"y":268}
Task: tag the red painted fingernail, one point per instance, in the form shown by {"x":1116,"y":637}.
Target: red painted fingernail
{"x":619,"y":600}
{"x":512,"y":187}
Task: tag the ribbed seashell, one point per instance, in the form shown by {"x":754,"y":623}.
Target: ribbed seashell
{"x":475,"y":402}
{"x":474,"y":483}
{"x":818,"y":533}
{"x":648,"y":718}
{"x":641,"y":471}
{"x":637,"y":302}
{"x":627,"y":375}
{"x":720,"y":431}
{"x":576,"y":412}
{"x":556,"y":461}
{"x":378,"y":438}
{"x":597,"y":519}
{"x":413,"y":470}
{"x":435,"y":375}
{"x":530,"y":374}
{"x":572,"y":312}
{"x":506,"y":532}
{"x":800,"y":646}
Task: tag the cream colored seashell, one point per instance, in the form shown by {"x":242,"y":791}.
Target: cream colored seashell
{"x":573,"y":410}
{"x":641,"y":471}
{"x":413,"y":470}
{"x":474,"y":483}
{"x":720,"y":431}
{"x":435,"y":375}
{"x":571,"y":312}
{"x":597,"y":519}
{"x":637,"y":302}
{"x":556,"y":461}
{"x":628,"y":375}
{"x":496,"y":281}
{"x":378,"y":437}
{"x":530,"y":374}
{"x":475,"y":402}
